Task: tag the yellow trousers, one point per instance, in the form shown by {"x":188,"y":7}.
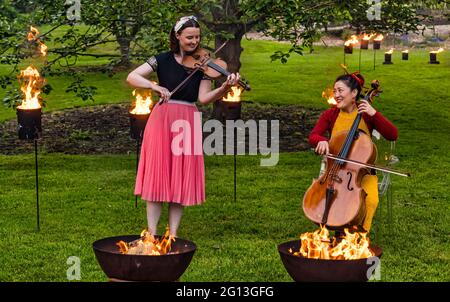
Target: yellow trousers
{"x":370,"y":185}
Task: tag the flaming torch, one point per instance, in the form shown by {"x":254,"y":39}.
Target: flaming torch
{"x":377,"y":41}
{"x":365,"y":41}
{"x":348,"y":45}
{"x":139,"y":115}
{"x":229,"y":108}
{"x":140,"y":112}
{"x":29,"y":114}
{"x":433,"y":56}
{"x":319,"y":257}
{"x":376,"y":45}
{"x":405,"y":55}
{"x":388,"y":56}
{"x":231,"y":104}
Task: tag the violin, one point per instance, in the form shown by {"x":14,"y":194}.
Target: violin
{"x":213,"y":68}
{"x":337,"y":199}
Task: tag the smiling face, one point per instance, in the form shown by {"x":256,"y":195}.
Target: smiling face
{"x":344,"y":96}
{"x":189,"y":39}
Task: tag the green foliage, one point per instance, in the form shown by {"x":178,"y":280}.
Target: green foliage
{"x":82,"y":91}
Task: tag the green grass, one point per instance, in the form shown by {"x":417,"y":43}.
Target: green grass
{"x":84,"y":198}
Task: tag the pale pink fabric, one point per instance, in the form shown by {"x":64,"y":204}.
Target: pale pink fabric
{"x":164,"y":175}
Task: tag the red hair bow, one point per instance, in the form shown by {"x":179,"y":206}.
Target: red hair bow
{"x":359,"y":80}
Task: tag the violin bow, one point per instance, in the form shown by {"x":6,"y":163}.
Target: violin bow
{"x":193,"y":72}
{"x":383,"y":169}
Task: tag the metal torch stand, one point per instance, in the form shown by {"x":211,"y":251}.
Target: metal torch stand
{"x":30,"y":128}
{"x":138,"y":123}
{"x":138,"y":149}
{"x":37,"y":184}
{"x":224,"y":111}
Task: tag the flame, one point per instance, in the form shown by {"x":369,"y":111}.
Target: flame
{"x":390,"y":51}
{"x":33,"y":36}
{"x":379,"y":37}
{"x":437,"y":51}
{"x":31,"y":84}
{"x":353,"y":40}
{"x":147,"y":245}
{"x":143,"y":102}
{"x":405,"y":51}
{"x":233,"y":95}
{"x":367,"y":37}
{"x":328,"y":95}
{"x":318,"y":245}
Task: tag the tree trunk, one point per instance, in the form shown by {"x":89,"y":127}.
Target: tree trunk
{"x":124,"y":46}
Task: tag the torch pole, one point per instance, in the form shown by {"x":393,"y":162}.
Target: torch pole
{"x":374,"y":54}
{"x":235,"y":151}
{"x":359,"y":69}
{"x":344,"y":57}
{"x":37,"y":184}
{"x":137,"y":165}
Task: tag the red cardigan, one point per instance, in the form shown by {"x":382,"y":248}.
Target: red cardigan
{"x":328,"y":118}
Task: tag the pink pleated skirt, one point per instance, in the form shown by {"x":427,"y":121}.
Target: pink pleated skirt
{"x":171,"y":166}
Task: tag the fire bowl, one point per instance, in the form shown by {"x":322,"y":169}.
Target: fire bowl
{"x":303,"y":269}
{"x":121,"y":267}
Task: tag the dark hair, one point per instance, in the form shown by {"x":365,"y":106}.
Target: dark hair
{"x":174,"y":42}
{"x":350,"y":81}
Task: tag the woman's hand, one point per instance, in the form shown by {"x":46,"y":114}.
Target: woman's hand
{"x":232,"y":80}
{"x":367,"y":108}
{"x":163,"y":92}
{"x":322,"y":148}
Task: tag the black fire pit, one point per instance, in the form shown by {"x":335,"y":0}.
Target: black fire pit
{"x":29,"y":120}
{"x":303,"y":269}
{"x":121,"y":267}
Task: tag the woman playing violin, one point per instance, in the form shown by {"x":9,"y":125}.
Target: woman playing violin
{"x":171,"y":170}
{"x":347,"y":90}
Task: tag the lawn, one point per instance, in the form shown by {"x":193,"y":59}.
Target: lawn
{"x":85,"y":198}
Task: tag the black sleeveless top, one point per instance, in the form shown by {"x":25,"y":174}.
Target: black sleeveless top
{"x":171,"y":73}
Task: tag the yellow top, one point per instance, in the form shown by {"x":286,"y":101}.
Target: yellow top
{"x":345,"y":120}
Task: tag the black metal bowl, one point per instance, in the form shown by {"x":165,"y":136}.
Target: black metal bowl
{"x":303,"y":269}
{"x":123,"y":267}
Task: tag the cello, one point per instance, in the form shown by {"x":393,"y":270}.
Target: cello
{"x":336,"y":198}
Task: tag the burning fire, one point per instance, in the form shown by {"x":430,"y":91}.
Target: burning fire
{"x":353,"y":40}
{"x":405,"y":51}
{"x":233,"y":95}
{"x":30,"y":79}
{"x":31,"y":83}
{"x":367,"y":37}
{"x":390,"y":51}
{"x":328,"y":95}
{"x":33,"y":36}
{"x":147,"y":245}
{"x":437,"y":51}
{"x":318,"y":245}
{"x":143,"y":102}
{"x":379,"y":37}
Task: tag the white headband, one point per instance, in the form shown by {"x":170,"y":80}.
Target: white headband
{"x":182,"y":21}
